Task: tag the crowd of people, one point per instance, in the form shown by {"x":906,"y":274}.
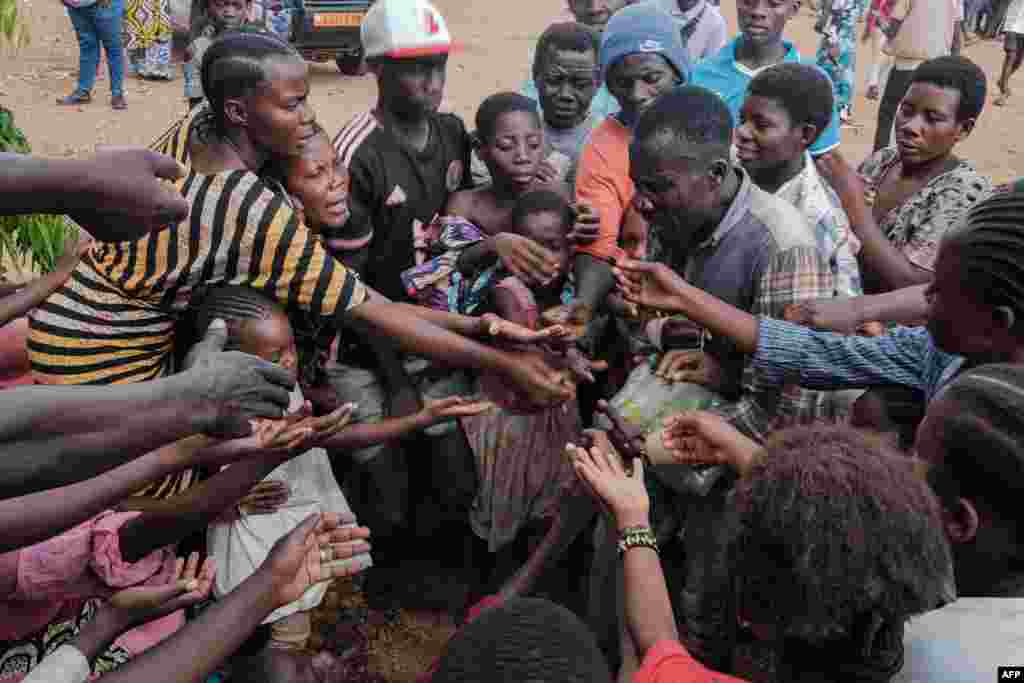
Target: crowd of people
{"x":644,"y":324}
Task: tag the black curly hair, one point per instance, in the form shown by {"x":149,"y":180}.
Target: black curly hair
{"x":831,"y":528}
{"x":803,"y":90}
{"x":960,"y":74}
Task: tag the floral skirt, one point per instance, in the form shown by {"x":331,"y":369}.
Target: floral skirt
{"x":19,"y":657}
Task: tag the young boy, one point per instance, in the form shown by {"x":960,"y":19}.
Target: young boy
{"x":758,"y":46}
{"x":210,"y":19}
{"x":642,"y":58}
{"x":404,"y":158}
{"x":565,"y":84}
{"x":1014,"y":47}
{"x":787,"y":108}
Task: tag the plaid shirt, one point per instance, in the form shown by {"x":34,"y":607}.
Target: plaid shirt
{"x":762,"y":257}
{"x":793,"y":276}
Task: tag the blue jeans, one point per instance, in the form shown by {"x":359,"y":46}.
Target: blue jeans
{"x":95,"y":25}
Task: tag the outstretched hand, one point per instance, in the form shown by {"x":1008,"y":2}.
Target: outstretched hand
{"x":233,"y":387}
{"x":131,"y":186}
{"x":701,"y":438}
{"x":627,"y":438}
{"x":696,"y":367}
{"x":315,"y":551}
{"x":498,"y":328}
{"x":587,"y":226}
{"x":650,"y":284}
{"x":530,"y":261}
{"x":188,"y":585}
{"x":439,"y":410}
{"x":542,"y":384}
{"x":621,"y":492}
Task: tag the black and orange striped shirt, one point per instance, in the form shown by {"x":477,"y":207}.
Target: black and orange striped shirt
{"x":113,"y":321}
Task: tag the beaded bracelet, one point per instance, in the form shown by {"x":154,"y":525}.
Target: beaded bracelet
{"x":637,"y":537}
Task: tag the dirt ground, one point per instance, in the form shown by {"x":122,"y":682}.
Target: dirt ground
{"x":497,"y":38}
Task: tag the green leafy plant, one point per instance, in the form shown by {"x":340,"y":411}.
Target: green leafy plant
{"x":38,"y":238}
{"x":13,"y":25}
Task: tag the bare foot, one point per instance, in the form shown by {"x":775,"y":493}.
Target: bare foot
{"x":1002,"y":100}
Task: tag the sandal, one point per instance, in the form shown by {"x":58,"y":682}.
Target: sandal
{"x":1002,"y":100}
{"x":872,"y":92}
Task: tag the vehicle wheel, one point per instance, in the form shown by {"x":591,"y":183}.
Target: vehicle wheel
{"x":351,"y":64}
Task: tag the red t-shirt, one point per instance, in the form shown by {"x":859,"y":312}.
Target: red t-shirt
{"x":669,"y":662}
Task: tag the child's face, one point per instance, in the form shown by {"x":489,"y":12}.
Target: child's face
{"x":549,"y":230}
{"x":320,"y":184}
{"x":412,"y":87}
{"x":595,"y":13}
{"x":633,"y":237}
{"x":514,"y":154}
{"x":228,"y":14}
{"x":762,"y":21}
{"x":270,"y":339}
{"x":766,"y":137}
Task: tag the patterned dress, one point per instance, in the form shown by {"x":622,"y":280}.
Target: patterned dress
{"x":837,"y":52}
{"x":147,"y":25}
{"x":916,"y":226}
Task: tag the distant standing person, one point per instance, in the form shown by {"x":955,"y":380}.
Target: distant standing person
{"x":1014,"y":47}
{"x":700,"y":23}
{"x":96,"y":24}
{"x":147,"y":24}
{"x":837,"y":52}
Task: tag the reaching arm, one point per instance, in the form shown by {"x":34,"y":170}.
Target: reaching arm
{"x":655,"y":285}
{"x":649,"y":614}
{"x":167,"y":521}
{"x":882,"y":263}
{"x":906,"y":306}
{"x":414,"y":334}
{"x":53,"y":436}
{"x":18,"y":303}
{"x":129,"y":183}
{"x":294,"y":564}
{"x":30,"y":519}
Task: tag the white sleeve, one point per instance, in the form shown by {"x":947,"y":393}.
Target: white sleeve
{"x":66,"y":664}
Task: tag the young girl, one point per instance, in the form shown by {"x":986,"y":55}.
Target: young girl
{"x":210,"y":18}
{"x":258,"y":326}
{"x":518,"y":449}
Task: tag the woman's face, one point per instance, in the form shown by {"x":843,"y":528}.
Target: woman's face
{"x":278,"y":117}
{"x":320,"y":184}
{"x":514,"y":154}
{"x":926,"y":125}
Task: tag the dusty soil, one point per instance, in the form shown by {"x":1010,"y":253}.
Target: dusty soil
{"x":496,"y":39}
